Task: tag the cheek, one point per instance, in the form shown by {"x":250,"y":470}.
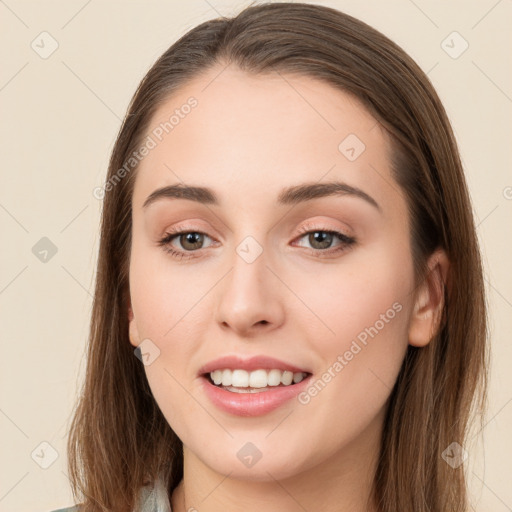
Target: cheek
{"x":162,"y":295}
{"x":360,"y":334}
{"x":168,"y":308}
{"x":364,"y":297}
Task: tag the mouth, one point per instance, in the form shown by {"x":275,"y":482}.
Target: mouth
{"x":256,"y":381}
{"x":253,"y":393}
{"x":252,"y":386}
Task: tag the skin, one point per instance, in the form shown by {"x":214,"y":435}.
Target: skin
{"x":248,"y":138}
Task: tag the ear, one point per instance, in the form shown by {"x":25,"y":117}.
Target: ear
{"x":429,"y":301}
{"x":132,"y":328}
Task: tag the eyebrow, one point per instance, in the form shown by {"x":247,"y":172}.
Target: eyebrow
{"x":289,"y":196}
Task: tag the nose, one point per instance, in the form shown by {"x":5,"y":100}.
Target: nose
{"x":250,"y":297}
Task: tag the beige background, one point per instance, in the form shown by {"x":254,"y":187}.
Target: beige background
{"x":59,"y":118}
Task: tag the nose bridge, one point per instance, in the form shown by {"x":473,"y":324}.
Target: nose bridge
{"x":248,"y":295}
{"x":248,"y":277}
{"x":251,"y":255}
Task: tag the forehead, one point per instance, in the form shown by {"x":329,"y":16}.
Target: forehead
{"x":262,"y":133}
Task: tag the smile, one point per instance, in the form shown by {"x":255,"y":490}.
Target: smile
{"x":248,"y":400}
{"x":257,"y":381}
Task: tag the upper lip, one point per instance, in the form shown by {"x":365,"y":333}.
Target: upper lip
{"x":252,"y":363}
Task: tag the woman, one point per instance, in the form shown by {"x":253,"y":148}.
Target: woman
{"x":289,"y":308}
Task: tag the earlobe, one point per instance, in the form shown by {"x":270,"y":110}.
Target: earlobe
{"x":133,"y":331}
{"x":429,"y":301}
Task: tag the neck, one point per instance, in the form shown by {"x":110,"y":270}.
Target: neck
{"x":341,"y":483}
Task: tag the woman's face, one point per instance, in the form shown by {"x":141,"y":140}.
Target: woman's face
{"x":289,"y":162}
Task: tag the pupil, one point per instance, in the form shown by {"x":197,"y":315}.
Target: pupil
{"x":194,"y":239}
{"x":324,"y":239}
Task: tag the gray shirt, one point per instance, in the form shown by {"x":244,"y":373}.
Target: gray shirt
{"x":151,"y":498}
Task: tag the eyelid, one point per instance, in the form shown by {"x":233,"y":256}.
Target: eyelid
{"x":186,"y":228}
{"x":323,"y":226}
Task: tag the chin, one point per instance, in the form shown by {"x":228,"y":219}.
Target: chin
{"x":261,"y":460}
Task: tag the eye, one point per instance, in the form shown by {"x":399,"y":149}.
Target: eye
{"x":321,"y":240}
{"x":190,"y":241}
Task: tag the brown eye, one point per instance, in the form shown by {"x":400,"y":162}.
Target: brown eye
{"x":191,"y":241}
{"x":322,"y":242}
{"x":320,"y":239}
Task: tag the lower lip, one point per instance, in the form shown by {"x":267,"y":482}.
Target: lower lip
{"x":252,"y":404}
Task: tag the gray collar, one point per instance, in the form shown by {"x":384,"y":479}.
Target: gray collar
{"x":153,"y":498}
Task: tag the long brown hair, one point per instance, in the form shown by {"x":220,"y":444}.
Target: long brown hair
{"x":119,"y":439}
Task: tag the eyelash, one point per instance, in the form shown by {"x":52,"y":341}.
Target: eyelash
{"x":346,"y":240}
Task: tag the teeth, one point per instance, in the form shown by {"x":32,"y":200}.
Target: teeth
{"x":287,"y":378}
{"x":227,"y":377}
{"x":297,"y":377}
{"x":216,"y":377}
{"x":239,"y":379}
{"x":256,"y":379}
{"x":274,"y":377}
